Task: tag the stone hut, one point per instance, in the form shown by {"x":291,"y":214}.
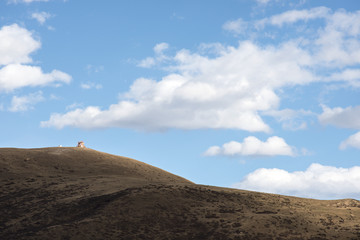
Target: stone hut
{"x":81,"y":144}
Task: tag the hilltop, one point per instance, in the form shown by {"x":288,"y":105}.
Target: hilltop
{"x":76,"y":193}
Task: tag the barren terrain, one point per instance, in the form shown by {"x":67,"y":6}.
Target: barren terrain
{"x":75,"y":193}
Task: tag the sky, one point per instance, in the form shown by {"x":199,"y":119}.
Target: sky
{"x":260,"y":95}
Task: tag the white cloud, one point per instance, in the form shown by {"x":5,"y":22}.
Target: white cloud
{"x":74,"y":106}
{"x":227,"y":91}
{"x":341,"y":117}
{"x":232,"y":89}
{"x":216,"y":49}
{"x":352,"y":141}
{"x":350,"y":76}
{"x":335,"y":44}
{"x":344,"y":118}
{"x":15,"y":76}
{"x":90,"y":85}
{"x":338,"y":46}
{"x":26,"y":1}
{"x":213,"y":151}
{"x":338,"y":43}
{"x":147,"y":62}
{"x":159,"y":56}
{"x":25,"y":103}
{"x":282,"y":2}
{"x":290,"y":119}
{"x":262,"y":1}
{"x":293,"y":16}
{"x":160,"y":48}
{"x":236,"y":27}
{"x":41,"y":17}
{"x":251,"y":146}
{"x":16,"y":44}
{"x":318,"y":181}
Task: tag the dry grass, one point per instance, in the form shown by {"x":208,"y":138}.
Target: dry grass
{"x":73,"y":193}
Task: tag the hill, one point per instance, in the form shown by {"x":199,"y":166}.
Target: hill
{"x":75,"y":193}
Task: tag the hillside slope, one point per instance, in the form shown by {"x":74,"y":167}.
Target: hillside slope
{"x":74,"y":193}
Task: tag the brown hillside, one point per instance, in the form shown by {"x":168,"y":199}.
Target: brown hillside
{"x":82,"y":165}
{"x":74,"y":193}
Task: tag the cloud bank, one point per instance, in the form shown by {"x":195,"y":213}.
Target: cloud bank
{"x":231,"y":87}
{"x":223,"y":92}
{"x":318,"y":181}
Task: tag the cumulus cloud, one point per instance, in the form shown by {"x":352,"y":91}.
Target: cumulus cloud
{"x":25,"y":103}
{"x":15,"y":76}
{"x":232,"y":88}
{"x":227,"y":91}
{"x":16,"y":45}
{"x":252,"y":146}
{"x":341,"y":117}
{"x":352,"y":141}
{"x":41,"y":17}
{"x":318,"y":181}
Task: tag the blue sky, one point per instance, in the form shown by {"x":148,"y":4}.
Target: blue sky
{"x":252,"y":94}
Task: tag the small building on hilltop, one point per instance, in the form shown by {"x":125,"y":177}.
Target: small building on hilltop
{"x":81,"y":144}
